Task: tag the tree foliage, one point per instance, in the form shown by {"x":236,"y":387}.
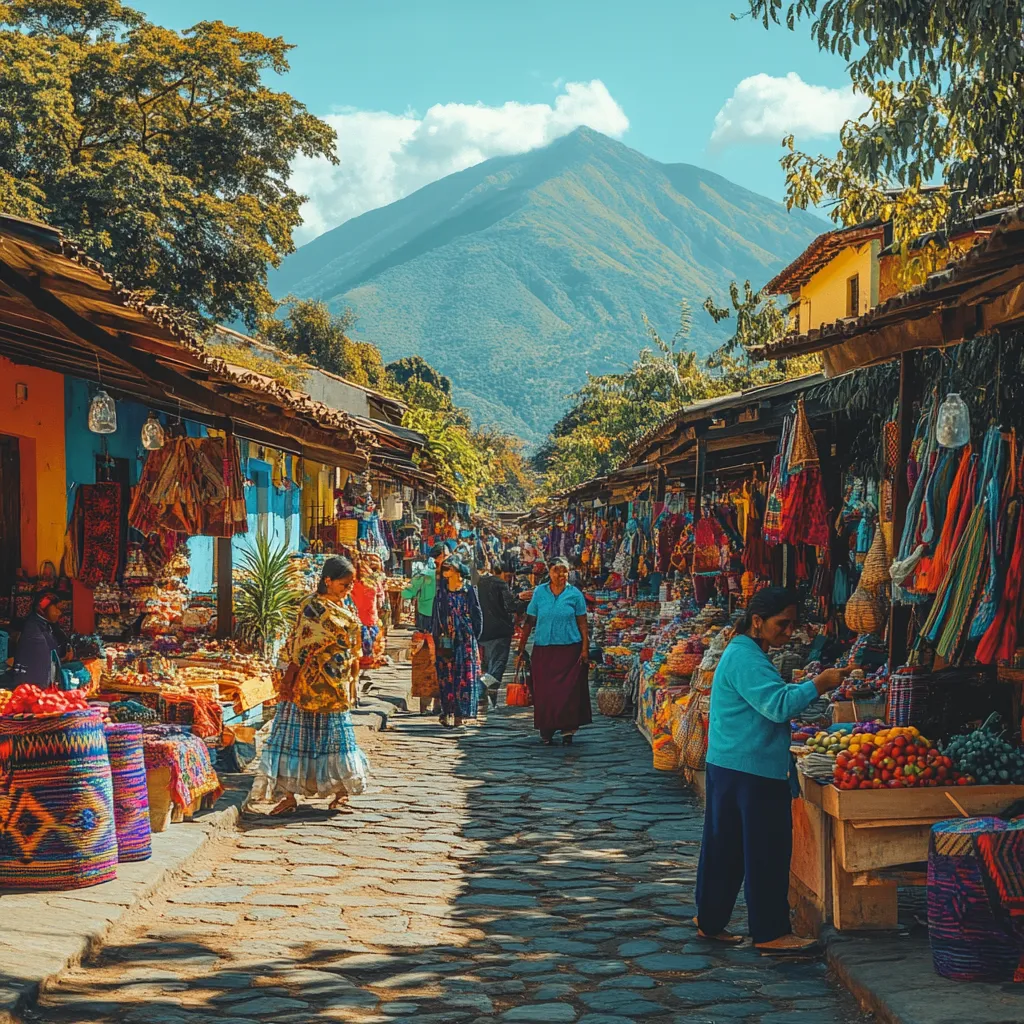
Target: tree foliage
{"x":311,"y":331}
{"x":165,"y":154}
{"x":511,"y":482}
{"x":416,"y":368}
{"x":941,"y":136}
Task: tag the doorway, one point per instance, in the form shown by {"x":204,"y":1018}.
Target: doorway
{"x":10,"y":512}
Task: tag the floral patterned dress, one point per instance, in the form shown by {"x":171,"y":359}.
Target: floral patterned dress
{"x":458,"y":619}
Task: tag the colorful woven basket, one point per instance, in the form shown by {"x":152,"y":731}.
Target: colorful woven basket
{"x":56,"y":802}
{"x":611,"y":701}
{"x":910,"y":696}
{"x":666,"y":757}
{"x":968,"y":943}
{"x":131,"y":798}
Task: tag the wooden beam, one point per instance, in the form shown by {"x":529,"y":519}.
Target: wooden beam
{"x":698,"y":481}
{"x":225,"y":589}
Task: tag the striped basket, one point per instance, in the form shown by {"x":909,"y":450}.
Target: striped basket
{"x":131,"y":798}
{"x":56,"y":802}
{"x":967,"y":941}
{"x":910,"y":694}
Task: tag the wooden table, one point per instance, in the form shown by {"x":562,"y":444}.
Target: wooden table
{"x":853,"y":849}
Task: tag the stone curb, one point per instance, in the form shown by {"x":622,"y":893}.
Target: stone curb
{"x":46,"y":933}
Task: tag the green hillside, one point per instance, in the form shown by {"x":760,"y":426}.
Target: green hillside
{"x":518,"y":276}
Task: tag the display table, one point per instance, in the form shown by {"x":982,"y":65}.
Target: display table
{"x":853,"y":849}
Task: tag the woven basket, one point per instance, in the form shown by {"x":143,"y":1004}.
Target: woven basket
{"x":863,"y":614}
{"x":611,"y":701}
{"x":57,"y":827}
{"x":910,"y":695}
{"x":968,"y":942}
{"x":348,"y":532}
{"x":131,"y":799}
{"x":666,"y":758}
{"x":876,"y":565}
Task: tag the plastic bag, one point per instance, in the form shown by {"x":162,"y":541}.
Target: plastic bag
{"x":953,"y":426}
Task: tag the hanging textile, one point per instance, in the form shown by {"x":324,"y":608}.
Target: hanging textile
{"x":99,"y":508}
{"x":192,"y":486}
{"x":804,"y":511}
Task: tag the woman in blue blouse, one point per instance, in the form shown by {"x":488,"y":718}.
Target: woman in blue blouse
{"x":557,"y":616}
{"x":748,"y":830}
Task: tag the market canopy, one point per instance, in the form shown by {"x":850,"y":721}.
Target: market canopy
{"x":61,"y":311}
{"x":980,"y":293}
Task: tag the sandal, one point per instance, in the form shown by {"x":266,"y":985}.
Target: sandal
{"x":288,"y":806}
{"x":339,"y":805}
{"x":726,"y":938}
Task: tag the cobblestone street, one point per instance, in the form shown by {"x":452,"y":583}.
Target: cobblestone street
{"x":483,"y":878}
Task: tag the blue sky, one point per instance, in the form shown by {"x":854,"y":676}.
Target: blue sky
{"x":401,"y":80}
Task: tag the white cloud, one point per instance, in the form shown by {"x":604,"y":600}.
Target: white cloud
{"x":386,"y":156}
{"x":763,"y":108}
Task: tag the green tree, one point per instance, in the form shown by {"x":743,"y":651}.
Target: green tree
{"x":165,"y":154}
{"x":941,"y":136}
{"x":311,"y":331}
{"x":511,"y":483}
{"x":416,"y":368}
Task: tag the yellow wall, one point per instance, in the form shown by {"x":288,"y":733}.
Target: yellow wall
{"x":823,"y":297}
{"x":38,"y":423}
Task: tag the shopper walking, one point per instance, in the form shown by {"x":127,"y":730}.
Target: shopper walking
{"x":423,"y":588}
{"x":748,"y":832}
{"x":498,"y":604}
{"x":456,"y":629}
{"x":560,"y":663}
{"x":312,"y":749}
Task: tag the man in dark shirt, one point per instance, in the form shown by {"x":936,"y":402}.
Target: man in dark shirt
{"x":499,"y":608}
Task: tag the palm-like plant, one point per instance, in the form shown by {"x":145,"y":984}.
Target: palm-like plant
{"x":266,"y":595}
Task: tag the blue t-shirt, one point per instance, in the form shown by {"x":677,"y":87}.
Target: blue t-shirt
{"x":751,"y":707}
{"x":556,"y":616}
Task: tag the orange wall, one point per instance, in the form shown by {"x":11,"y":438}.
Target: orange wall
{"x":38,"y":423}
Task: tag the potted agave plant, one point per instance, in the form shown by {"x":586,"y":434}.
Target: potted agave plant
{"x":266,"y":596}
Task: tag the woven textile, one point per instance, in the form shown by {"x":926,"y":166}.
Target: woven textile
{"x":101,"y":533}
{"x":910,"y":690}
{"x":56,"y":803}
{"x":192,"y":774}
{"x":1002,"y":865}
{"x":968,"y":943}
{"x":131,"y":798}
{"x":311,"y":754}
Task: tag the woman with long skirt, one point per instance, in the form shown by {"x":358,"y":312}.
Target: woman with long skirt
{"x":457,"y":625}
{"x":312,"y":749}
{"x":560,"y":663}
{"x":748,"y":829}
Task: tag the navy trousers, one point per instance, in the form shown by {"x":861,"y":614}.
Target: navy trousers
{"x":748,"y":841}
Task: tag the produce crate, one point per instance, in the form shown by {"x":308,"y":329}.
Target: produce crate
{"x":854,"y":848}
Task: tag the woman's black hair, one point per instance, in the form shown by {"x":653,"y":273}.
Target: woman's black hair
{"x":767,"y":603}
{"x":336,"y":568}
{"x":40,"y":596}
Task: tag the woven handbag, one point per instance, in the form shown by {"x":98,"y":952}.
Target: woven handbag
{"x":519,"y":693}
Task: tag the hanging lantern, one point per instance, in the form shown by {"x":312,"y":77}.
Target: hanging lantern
{"x":152,"y":434}
{"x":102,"y":414}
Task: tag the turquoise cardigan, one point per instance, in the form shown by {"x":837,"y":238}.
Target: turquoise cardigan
{"x":751,"y":707}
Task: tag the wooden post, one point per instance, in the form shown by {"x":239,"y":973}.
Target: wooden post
{"x":698,"y":483}
{"x":225,"y":589}
{"x":661,"y":485}
{"x":910,"y":392}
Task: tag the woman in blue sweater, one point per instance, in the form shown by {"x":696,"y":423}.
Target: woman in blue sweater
{"x":748,"y":826}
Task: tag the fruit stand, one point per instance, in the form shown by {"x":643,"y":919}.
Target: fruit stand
{"x":853,"y":849}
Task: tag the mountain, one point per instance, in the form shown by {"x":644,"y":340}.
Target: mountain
{"x":520,"y":275}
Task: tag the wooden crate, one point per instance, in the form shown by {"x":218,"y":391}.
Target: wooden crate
{"x":874,"y":842}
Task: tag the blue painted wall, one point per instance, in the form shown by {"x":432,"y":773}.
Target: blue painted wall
{"x":270,"y":509}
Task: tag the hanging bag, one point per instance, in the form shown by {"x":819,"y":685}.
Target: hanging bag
{"x":519,"y":693}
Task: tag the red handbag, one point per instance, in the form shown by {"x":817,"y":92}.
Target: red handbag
{"x":519,"y":693}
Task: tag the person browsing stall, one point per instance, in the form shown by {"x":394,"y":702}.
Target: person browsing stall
{"x":748,"y":829}
{"x":557,"y":618}
{"x":42,"y":644}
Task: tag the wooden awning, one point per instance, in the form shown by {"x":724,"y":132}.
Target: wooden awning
{"x":981,"y":293}
{"x":61,"y":311}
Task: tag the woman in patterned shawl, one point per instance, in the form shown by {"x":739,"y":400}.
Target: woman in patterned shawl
{"x":312,"y":749}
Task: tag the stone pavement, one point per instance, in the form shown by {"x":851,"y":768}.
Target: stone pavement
{"x":484,"y":879}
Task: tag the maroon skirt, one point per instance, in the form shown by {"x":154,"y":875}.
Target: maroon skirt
{"x":561,"y":695}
